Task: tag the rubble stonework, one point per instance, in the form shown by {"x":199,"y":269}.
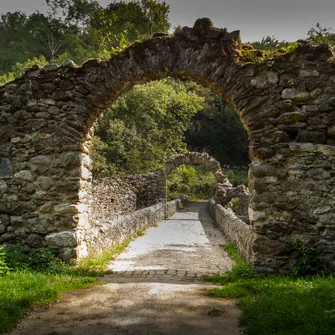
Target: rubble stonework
{"x":287,"y":106}
{"x":154,"y":183}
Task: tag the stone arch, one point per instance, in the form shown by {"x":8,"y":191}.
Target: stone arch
{"x":203,"y":159}
{"x":287,"y":106}
{"x":155,"y":182}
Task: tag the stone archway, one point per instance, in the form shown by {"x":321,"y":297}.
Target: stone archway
{"x":287,"y":106}
{"x":155,"y":182}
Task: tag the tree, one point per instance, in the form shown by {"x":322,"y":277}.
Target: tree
{"x":218,"y":130}
{"x":13,"y":40}
{"x":77,"y":13}
{"x":144,"y":128}
{"x":123,"y":22}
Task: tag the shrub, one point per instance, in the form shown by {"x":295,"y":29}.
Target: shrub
{"x":307,"y":262}
{"x":17,"y":258}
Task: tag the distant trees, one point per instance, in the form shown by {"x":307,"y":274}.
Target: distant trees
{"x":77,"y":29}
{"x":217,"y":129}
{"x":150,"y":124}
{"x":144,"y":128}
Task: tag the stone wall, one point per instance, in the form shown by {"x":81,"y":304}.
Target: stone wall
{"x":234,"y":229}
{"x":154,"y":184}
{"x":287,"y":106}
{"x":107,"y":233}
{"x":111,"y":198}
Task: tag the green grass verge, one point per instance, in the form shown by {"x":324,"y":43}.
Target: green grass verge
{"x":98,"y":263}
{"x":280,"y":305}
{"x":22,"y":290}
{"x":23,"y":287}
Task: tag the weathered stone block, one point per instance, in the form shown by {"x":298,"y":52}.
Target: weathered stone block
{"x":265,"y":80}
{"x":6,"y":170}
{"x":293,"y":94}
{"x":24,"y":175}
{"x":41,"y":160}
{"x":62,"y":239}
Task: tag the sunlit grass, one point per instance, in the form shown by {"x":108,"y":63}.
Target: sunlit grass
{"x":279,"y":305}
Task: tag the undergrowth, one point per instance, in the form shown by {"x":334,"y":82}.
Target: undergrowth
{"x":255,"y":56}
{"x":279,"y":305}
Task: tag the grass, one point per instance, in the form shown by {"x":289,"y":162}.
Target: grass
{"x":279,"y":305}
{"x":255,"y":56}
{"x":140,"y":232}
{"x":22,"y":290}
{"x":25,"y":287}
{"x":98,"y":263}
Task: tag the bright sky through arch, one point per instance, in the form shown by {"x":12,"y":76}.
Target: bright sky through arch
{"x":285,"y":19}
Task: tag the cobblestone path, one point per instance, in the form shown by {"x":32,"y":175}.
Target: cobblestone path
{"x":182,"y":248}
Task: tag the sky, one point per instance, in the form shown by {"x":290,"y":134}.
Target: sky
{"x":288,"y":20}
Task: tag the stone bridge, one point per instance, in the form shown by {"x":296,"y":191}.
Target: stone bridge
{"x":287,"y":105}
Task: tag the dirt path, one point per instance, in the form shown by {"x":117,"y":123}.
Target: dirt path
{"x":156,"y":288}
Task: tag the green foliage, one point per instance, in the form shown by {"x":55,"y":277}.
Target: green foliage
{"x":235,"y":203}
{"x":20,"y":290}
{"x":192,"y":182}
{"x":320,"y":35}
{"x":269,"y":43}
{"x":81,"y":29}
{"x":36,"y":259}
{"x":265,"y":53}
{"x":217,"y":129}
{"x":96,"y":264}
{"x":144,"y":128}
{"x":307,"y":262}
{"x":279,"y":305}
{"x":237,"y":177}
{"x":19,"y":69}
{"x":177,"y":30}
{"x":3,"y":262}
{"x":140,"y":232}
{"x":6,"y":78}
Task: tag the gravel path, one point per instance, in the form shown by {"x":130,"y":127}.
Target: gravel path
{"x":155,"y":288}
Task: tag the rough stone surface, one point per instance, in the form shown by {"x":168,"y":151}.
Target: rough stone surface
{"x":234,"y":229}
{"x":50,"y":112}
{"x":154,"y":185}
{"x":62,"y":239}
{"x":6,"y":171}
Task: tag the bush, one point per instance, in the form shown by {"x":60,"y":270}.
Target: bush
{"x":192,"y":182}
{"x":36,"y":259}
{"x":307,"y":263}
{"x":237,"y":177}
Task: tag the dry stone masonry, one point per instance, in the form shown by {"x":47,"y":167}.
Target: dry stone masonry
{"x":287,"y":105}
{"x":110,"y":199}
{"x":153,"y":185}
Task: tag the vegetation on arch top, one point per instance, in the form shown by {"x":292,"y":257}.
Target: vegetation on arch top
{"x":266,"y":51}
